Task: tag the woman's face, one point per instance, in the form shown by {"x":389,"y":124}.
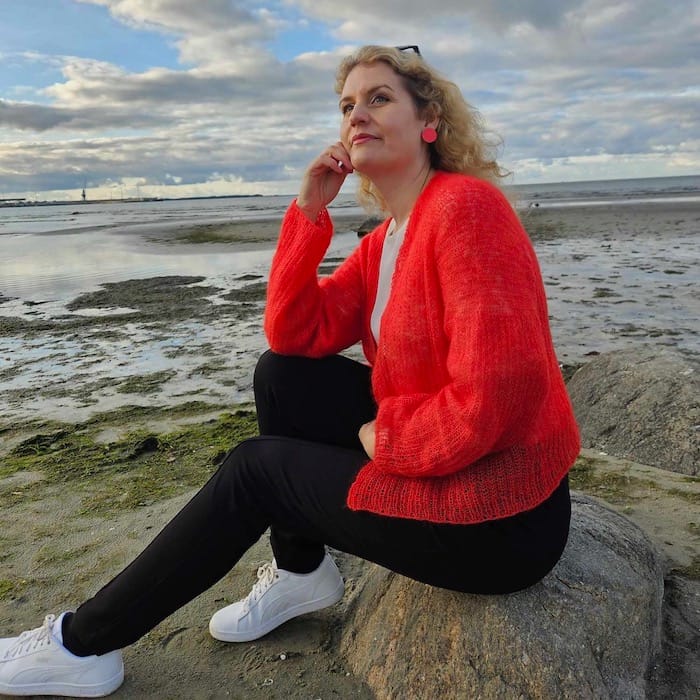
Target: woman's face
{"x":380,"y":127}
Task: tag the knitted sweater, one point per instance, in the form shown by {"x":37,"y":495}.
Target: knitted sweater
{"x":473,"y":422}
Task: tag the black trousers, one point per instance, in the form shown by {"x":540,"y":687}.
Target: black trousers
{"x":294,"y":479}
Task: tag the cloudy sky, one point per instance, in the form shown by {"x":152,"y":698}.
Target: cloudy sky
{"x":184,"y":97}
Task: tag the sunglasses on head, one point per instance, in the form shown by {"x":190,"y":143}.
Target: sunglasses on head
{"x":409,"y":47}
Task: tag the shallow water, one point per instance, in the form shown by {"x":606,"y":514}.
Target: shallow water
{"x":69,"y":375}
{"x":56,"y":267}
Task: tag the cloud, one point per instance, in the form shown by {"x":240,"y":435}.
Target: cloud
{"x":496,"y":13}
{"x":570,"y":83}
{"x":211,"y":32}
{"x":26,"y":116}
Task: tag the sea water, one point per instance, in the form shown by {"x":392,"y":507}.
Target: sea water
{"x":601,"y":192}
{"x":53,"y":252}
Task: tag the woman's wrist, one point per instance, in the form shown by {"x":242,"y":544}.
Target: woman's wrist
{"x":310,"y":212}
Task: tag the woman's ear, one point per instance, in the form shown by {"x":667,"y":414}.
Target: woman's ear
{"x":432,"y":116}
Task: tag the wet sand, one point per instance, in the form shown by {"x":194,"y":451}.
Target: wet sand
{"x":620,"y":275}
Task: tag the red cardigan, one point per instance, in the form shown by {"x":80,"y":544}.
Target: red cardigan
{"x":474,"y":422}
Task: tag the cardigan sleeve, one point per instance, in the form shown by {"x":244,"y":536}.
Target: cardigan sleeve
{"x":495,"y":359}
{"x":305,"y":316}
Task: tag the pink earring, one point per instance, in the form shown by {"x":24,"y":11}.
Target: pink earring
{"x":429,"y":135}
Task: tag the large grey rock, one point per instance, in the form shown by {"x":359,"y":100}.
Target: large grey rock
{"x":368,"y":225}
{"x":641,"y":404}
{"x":590,"y":629}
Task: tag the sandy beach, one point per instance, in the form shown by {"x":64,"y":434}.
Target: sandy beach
{"x":120,"y":399}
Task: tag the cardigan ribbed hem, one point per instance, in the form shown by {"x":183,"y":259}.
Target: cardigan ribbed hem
{"x":480,"y":492}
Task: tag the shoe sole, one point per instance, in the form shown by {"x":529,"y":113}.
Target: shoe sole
{"x":281,"y":618}
{"x":97,"y":690}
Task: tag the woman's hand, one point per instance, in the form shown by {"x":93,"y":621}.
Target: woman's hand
{"x":367,"y":436}
{"x":323,"y":179}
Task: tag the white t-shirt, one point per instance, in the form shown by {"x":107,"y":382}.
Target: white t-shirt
{"x":390,"y":251}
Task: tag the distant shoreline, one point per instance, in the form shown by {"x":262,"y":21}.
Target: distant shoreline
{"x":613,"y":188}
{"x":80,"y":202}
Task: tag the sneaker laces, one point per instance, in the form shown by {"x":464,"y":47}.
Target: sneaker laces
{"x":32,"y":639}
{"x":267,"y":575}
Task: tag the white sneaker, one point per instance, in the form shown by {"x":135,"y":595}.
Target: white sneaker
{"x":277,"y":596}
{"x":37,"y":663}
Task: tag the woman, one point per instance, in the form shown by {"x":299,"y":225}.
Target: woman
{"x":444,"y":460}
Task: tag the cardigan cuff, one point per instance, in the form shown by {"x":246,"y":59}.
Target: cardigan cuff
{"x":321,"y":220}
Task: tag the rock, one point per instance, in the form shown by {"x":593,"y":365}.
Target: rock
{"x":643,"y":405}
{"x":678,"y":674}
{"x":368,"y":225}
{"x":590,"y":629}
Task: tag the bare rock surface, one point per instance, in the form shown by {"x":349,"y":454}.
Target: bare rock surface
{"x":591,"y":629}
{"x":368,"y":225}
{"x":641,"y":404}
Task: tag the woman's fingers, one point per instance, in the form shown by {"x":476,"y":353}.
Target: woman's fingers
{"x":323,"y":179}
{"x":338,"y":159}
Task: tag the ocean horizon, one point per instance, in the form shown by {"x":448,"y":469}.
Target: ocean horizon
{"x":682,"y":187}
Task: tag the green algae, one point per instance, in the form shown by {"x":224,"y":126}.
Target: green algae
{"x":568,"y":370}
{"x":209,"y":368}
{"x":53,"y":554}
{"x":131,"y":414}
{"x":215,"y":234}
{"x":614,"y":487}
{"x":249,"y":293}
{"x":136,"y":469}
{"x":158,"y":301}
{"x":621,"y":488}
{"x":539,"y":228}
{"x":10,"y":589}
{"x":145,"y":383}
{"x":152,"y":294}
{"x":604,"y":292}
{"x":692,"y":571}
{"x":691,"y":497}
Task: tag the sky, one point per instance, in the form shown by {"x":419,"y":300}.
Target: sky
{"x":176,"y":98}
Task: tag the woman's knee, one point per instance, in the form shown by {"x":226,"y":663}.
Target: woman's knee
{"x":270,"y":368}
{"x":257,"y":458}
{"x":244,"y":456}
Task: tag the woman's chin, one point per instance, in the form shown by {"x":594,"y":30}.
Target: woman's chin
{"x":365,"y":167}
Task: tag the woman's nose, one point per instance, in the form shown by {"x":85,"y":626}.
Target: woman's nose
{"x":358,"y":114}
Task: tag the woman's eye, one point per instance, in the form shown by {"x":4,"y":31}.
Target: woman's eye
{"x":347,"y":107}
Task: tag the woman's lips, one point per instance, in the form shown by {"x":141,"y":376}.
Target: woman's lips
{"x":362,"y":138}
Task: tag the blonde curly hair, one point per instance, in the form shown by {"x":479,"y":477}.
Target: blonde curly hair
{"x":462,"y":146}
